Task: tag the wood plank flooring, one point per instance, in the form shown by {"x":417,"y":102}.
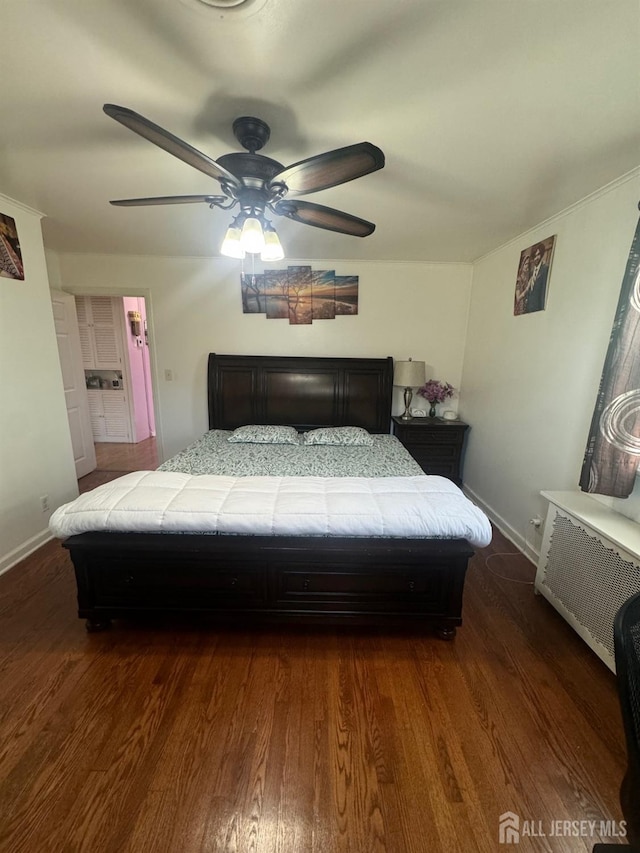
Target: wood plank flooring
{"x":177,"y":738}
{"x":115,"y":459}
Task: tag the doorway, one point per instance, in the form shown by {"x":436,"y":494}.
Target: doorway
{"x":116,"y":363}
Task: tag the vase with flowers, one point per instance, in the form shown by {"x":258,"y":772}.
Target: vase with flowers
{"x":436,"y":392}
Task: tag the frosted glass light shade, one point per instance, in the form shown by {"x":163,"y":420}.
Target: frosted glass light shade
{"x":273,"y":250}
{"x":231,"y":244}
{"x":252,"y":238}
{"x":409,"y":374}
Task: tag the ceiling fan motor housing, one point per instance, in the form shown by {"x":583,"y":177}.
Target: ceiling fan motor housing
{"x":254,"y":170}
{"x":252,"y":133}
{"x":248,"y":166}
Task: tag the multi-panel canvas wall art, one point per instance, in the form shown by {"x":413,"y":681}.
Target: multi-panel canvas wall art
{"x":10,"y":253}
{"x":299,"y":294}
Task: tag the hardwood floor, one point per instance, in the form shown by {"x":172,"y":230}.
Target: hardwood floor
{"x":116,"y":459}
{"x":175,"y":738}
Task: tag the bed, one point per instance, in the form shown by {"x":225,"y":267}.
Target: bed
{"x":253,"y":565}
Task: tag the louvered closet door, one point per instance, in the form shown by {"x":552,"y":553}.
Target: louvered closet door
{"x":96,"y":414}
{"x":105,"y":326}
{"x":109,"y":416}
{"x":86,"y":347}
{"x":83,"y":311}
{"x":99,"y":325}
{"x":117,"y":425}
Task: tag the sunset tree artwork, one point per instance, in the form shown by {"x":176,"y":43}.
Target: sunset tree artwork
{"x":299,"y":294}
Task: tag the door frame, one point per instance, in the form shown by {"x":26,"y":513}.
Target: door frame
{"x":67,"y":300}
{"x":145,"y":293}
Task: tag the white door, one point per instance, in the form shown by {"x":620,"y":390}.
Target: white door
{"x":75,"y":391}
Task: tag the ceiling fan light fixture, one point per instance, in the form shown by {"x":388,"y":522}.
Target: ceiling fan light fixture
{"x":223,"y":4}
{"x":231,"y":246}
{"x":252,"y":237}
{"x":225,"y":10}
{"x":273,"y":250}
{"x":257,"y":183}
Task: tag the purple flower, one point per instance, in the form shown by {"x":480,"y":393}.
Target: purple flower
{"x":436,"y":392}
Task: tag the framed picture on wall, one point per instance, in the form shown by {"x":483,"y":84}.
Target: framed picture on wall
{"x":300,"y":294}
{"x":10,"y":253}
{"x":276,"y":292}
{"x":253,"y":298}
{"x":346,"y":294}
{"x":299,"y":285}
{"x":323,"y":294}
{"x":532,"y":281}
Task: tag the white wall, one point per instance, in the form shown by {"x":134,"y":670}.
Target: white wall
{"x":194,"y":307}
{"x":36,"y":457}
{"x":530,"y":382}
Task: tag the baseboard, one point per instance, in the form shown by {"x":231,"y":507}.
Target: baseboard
{"x":13,"y":557}
{"x":504,"y":527}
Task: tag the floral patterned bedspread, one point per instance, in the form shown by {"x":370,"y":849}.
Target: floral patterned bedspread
{"x":213,"y":454}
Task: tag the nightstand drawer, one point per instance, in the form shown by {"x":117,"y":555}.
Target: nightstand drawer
{"x":433,"y":438}
{"x":435,"y":444}
{"x":434,"y":451}
{"x":441,"y":467}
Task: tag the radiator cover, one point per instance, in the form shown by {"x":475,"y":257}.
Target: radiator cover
{"x":585,"y":574}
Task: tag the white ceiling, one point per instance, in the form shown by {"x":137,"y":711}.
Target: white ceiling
{"x":493,"y":114}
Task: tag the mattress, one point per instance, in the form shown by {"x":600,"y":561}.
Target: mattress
{"x":214,"y":454}
{"x":173,"y":502}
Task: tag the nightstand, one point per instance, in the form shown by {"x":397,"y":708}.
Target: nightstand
{"x":434,"y":443}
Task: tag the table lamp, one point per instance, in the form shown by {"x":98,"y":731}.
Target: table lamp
{"x":408,"y":375}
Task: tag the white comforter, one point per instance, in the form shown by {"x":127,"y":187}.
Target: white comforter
{"x":170,"y":502}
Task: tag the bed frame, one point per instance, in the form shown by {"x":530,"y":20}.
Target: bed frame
{"x":416,"y":582}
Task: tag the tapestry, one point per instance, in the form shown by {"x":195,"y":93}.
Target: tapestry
{"x":613,"y":448}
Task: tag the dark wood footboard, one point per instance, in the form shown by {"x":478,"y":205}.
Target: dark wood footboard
{"x":305,"y":579}
{"x":366,"y":581}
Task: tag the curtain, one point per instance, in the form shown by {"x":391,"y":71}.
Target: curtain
{"x":613,"y":448}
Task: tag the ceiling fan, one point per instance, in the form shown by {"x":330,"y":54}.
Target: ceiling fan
{"x":258,"y":184}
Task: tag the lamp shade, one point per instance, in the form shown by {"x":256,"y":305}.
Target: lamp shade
{"x":231,"y":245}
{"x":409,"y":374}
{"x":273,"y":250}
{"x":252,"y":237}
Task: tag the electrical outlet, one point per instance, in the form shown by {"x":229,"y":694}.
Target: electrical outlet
{"x":168,"y":375}
{"x":44,"y":503}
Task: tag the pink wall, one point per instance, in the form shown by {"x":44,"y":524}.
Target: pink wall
{"x":144,"y":418}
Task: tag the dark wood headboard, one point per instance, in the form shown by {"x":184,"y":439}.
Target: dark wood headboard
{"x":299,"y":391}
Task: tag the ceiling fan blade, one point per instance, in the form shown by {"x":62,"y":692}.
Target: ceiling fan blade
{"x":167,"y":141}
{"x":170,"y":199}
{"x":324,"y":217}
{"x":331,"y":168}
